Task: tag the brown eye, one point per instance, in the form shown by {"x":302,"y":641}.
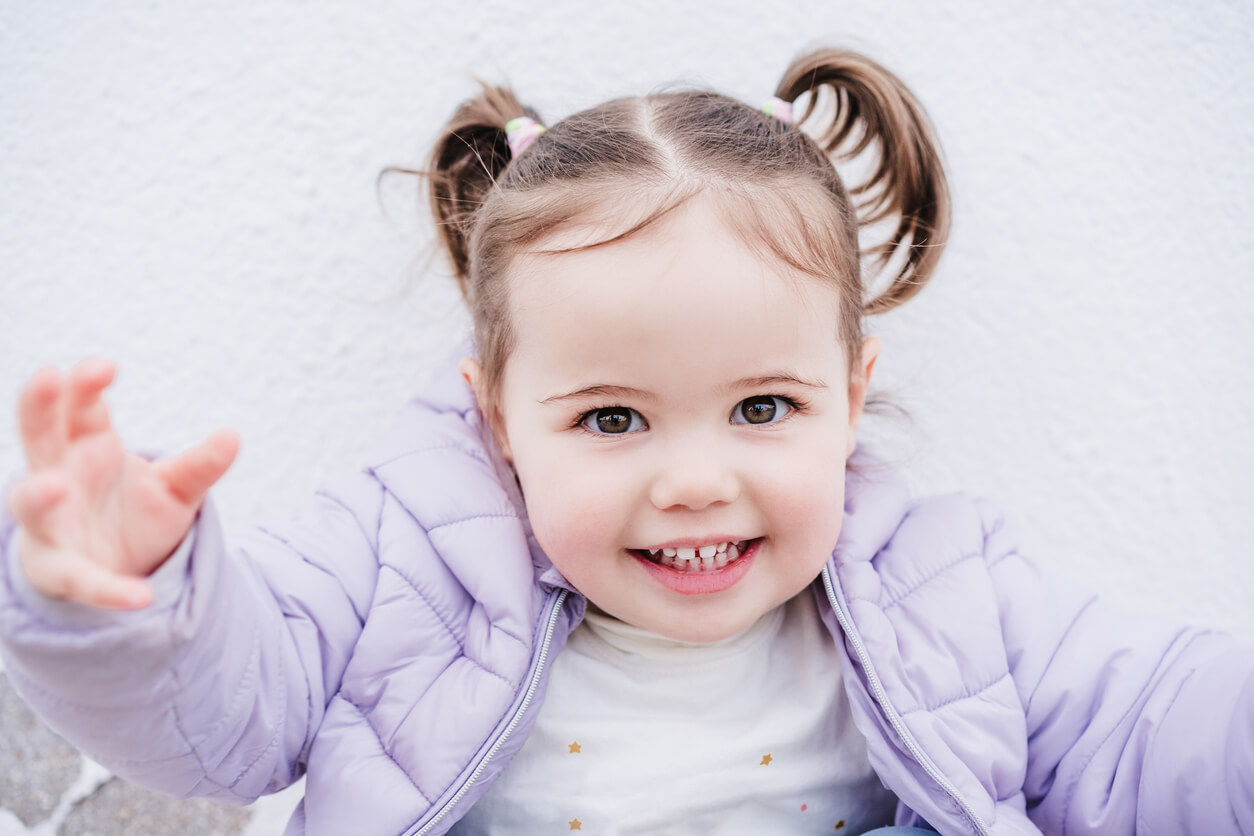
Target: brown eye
{"x":613,"y":420}
{"x":760,"y":410}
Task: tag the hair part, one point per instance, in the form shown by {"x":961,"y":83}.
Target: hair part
{"x":629,"y":162}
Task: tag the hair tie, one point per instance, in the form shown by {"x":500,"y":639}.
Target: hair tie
{"x":780,"y":109}
{"x":520,"y":132}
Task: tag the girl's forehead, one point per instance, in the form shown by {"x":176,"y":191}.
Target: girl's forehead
{"x":689,"y":260}
{"x":790,"y":228}
{"x":689,"y":273}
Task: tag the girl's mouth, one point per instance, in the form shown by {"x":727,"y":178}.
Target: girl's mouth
{"x":707,"y":558}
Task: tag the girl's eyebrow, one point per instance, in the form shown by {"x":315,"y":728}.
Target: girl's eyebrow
{"x":780,"y":378}
{"x":627,"y":392}
{"x":600,"y":391}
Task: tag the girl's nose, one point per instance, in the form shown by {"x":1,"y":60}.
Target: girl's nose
{"x":695,"y":482}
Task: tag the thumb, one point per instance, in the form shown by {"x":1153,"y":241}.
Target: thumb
{"x":189,"y":475}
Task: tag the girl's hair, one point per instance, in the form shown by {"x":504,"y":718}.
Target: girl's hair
{"x":629,"y":162}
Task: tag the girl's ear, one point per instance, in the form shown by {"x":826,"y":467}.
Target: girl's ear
{"x":859,"y":381}
{"x":472,"y":373}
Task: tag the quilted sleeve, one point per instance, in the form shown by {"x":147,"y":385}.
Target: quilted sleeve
{"x":1135,"y":725}
{"x":218,"y":687}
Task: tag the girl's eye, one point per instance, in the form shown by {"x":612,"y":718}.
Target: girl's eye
{"x":613,"y":420}
{"x":763,"y":409}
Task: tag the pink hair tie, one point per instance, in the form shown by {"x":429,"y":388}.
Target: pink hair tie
{"x":520,"y":132}
{"x":780,"y":109}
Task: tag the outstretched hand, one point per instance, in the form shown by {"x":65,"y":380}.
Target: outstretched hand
{"x":96,"y":519}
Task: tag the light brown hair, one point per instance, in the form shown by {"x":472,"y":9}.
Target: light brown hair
{"x":630,"y":161}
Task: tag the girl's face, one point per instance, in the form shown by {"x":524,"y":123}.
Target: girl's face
{"x":676,"y":391}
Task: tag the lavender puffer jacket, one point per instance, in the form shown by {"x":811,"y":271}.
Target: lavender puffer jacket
{"x":394,"y":644}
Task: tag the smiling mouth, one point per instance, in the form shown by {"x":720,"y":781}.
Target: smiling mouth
{"x":708,"y":558}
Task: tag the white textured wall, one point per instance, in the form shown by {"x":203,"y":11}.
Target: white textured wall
{"x":191,"y":190}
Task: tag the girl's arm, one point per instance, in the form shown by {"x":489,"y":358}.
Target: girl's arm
{"x":1135,"y":725}
{"x":217,"y":685}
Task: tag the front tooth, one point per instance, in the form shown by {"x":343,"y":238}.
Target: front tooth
{"x":685,"y":554}
{"x":709,"y":551}
{"x":722,"y":547}
{"x":668,"y":552}
{"x":707,"y":562}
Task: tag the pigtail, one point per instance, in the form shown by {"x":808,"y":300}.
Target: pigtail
{"x":873,"y":106}
{"x":469,"y":156}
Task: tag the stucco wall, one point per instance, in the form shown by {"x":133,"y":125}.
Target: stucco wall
{"x":191,"y":190}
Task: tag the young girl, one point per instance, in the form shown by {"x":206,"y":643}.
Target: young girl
{"x":621,"y":569}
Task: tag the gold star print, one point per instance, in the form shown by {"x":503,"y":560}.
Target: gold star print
{"x":766,"y":760}
{"x":575,"y":749}
{"x":576,"y":824}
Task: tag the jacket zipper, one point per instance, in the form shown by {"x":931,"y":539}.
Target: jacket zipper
{"x":541,"y":659}
{"x":877,"y":689}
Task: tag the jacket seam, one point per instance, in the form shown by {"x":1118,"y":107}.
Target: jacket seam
{"x":931,"y":576}
{"x":29,"y":684}
{"x":254,"y":664}
{"x":472,"y":519}
{"x":430,"y":606}
{"x":384,"y":749}
{"x":1232,"y":813}
{"x":521,"y":641}
{"x":178,"y":724}
{"x":33,"y":617}
{"x":963,"y":696}
{"x":460,"y":448}
{"x":374,"y":545}
{"x":1092,"y":753}
{"x":460,"y":643}
{"x":1002,"y":558}
{"x":316,"y":566}
{"x":378,"y":528}
{"x":274,"y":739}
{"x":998,"y":523}
{"x":472,"y":660}
{"x":1027,"y":706}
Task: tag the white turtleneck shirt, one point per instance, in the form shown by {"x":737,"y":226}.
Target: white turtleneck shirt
{"x":643,"y":734}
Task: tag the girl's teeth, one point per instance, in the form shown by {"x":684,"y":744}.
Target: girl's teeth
{"x":705,"y":559}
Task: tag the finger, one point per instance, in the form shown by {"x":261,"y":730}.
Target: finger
{"x":39,"y":410}
{"x":189,"y":475}
{"x":85,"y":410}
{"x":89,"y":583}
{"x":32,"y":500}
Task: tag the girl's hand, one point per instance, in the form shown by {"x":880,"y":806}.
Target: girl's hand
{"x":94,"y":518}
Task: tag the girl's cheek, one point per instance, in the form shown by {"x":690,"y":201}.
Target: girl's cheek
{"x":570,"y":516}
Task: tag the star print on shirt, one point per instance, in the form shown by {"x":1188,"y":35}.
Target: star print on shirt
{"x":576,"y":824}
{"x":766,"y":760}
{"x":575,"y":748}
